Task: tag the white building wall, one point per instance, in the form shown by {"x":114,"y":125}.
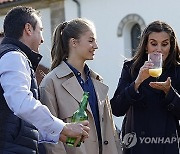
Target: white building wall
{"x":107,"y":14}
{"x":46,"y":46}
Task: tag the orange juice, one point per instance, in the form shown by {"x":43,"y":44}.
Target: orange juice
{"x":155,"y":72}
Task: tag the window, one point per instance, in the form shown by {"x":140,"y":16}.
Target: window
{"x":129,"y":29}
{"x":135,"y":34}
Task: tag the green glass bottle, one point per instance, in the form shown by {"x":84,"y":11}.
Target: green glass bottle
{"x":78,"y":116}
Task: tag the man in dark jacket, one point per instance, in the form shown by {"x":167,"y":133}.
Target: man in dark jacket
{"x":24,"y":121}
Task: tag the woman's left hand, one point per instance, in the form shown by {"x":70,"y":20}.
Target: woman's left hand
{"x":164,"y":86}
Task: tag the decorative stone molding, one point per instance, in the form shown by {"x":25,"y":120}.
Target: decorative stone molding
{"x":130,"y":18}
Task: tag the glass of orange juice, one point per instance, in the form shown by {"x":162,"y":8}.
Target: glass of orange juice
{"x":156,"y":59}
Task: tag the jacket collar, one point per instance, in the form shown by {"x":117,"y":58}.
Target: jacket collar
{"x":32,"y":56}
{"x":62,"y":70}
{"x":65,"y":70}
{"x":74,"y":88}
{"x":76,"y":72}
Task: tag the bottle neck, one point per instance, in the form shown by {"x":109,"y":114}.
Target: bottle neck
{"x":84,"y":102}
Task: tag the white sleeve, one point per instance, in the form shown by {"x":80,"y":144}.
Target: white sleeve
{"x":15,"y":79}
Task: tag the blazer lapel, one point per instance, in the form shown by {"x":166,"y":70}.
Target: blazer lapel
{"x":101,"y":93}
{"x":73,"y":87}
{"x":75,"y":90}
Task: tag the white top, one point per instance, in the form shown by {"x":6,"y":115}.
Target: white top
{"x":15,"y":79}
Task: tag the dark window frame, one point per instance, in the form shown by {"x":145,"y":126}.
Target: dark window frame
{"x":135,"y":36}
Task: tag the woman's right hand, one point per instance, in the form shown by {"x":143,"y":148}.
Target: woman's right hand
{"x":143,"y":74}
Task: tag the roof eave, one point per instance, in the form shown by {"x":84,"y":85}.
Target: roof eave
{"x":8,"y":4}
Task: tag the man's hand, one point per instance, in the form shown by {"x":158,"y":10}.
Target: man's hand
{"x":78,"y":130}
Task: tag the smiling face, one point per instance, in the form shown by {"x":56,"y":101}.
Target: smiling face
{"x":32,"y":37}
{"x":159,"y":42}
{"x":37,"y":37}
{"x":85,"y":46}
